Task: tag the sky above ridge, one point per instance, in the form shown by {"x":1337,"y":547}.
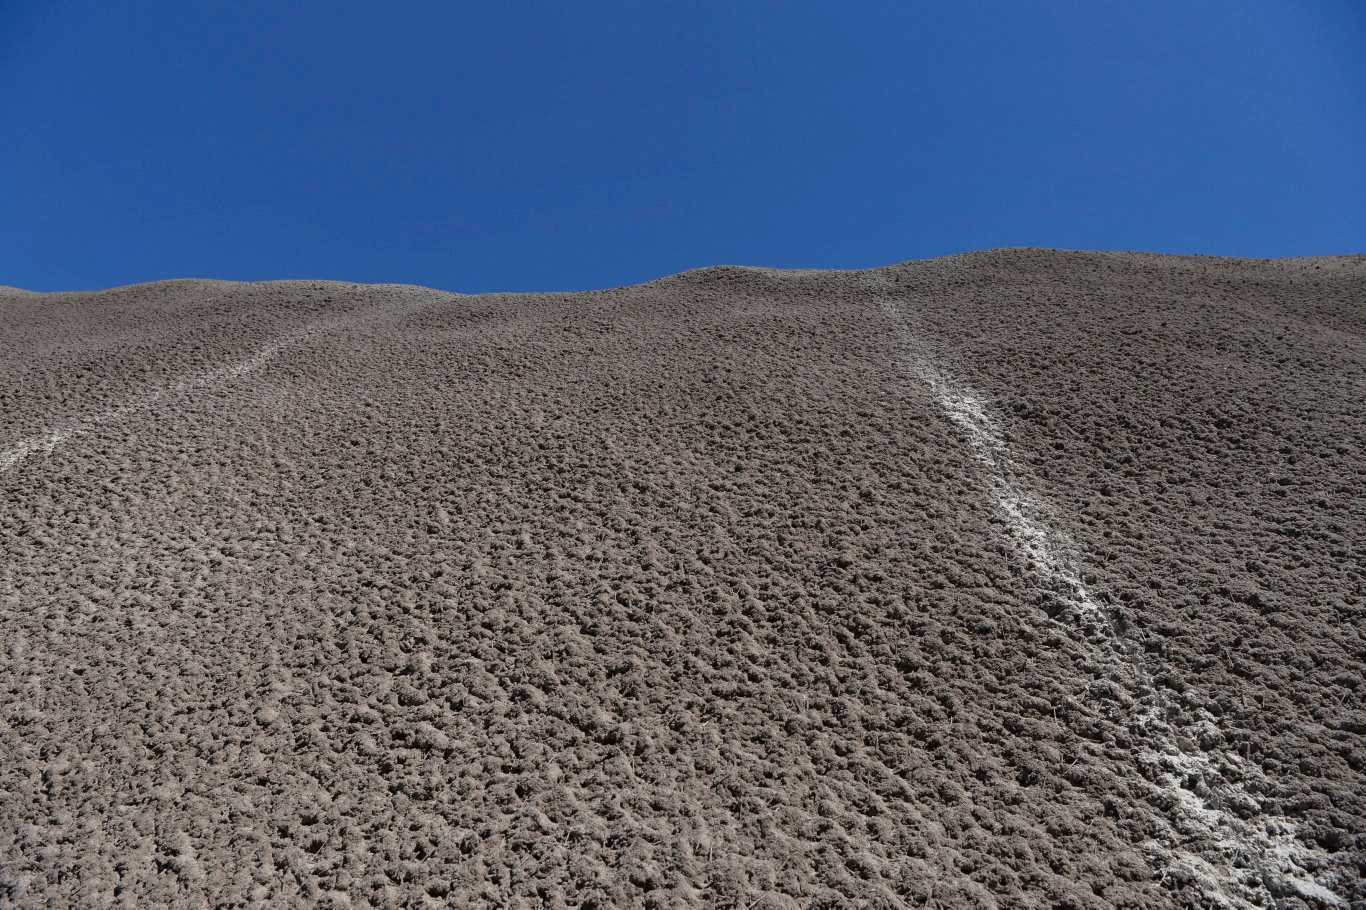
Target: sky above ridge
{"x":565,"y":146}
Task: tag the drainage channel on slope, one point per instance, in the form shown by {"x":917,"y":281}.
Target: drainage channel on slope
{"x":1251,"y":862}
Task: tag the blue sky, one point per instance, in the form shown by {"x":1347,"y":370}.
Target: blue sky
{"x":563,"y":146}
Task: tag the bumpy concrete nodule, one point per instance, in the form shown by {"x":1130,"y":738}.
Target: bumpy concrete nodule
{"x":1021,"y":578}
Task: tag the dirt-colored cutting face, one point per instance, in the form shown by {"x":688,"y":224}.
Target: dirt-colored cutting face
{"x":1019,"y":578}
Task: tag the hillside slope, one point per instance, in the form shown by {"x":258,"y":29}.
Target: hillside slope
{"x":1020,"y":578}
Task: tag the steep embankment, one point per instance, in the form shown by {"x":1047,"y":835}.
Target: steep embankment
{"x":1015,"y":578}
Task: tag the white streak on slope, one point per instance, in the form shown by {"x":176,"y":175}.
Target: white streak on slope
{"x":1265,"y":847}
{"x":46,"y":443}
{"x":411,"y":299}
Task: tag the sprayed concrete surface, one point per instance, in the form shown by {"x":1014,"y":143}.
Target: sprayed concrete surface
{"x":1019,"y":578}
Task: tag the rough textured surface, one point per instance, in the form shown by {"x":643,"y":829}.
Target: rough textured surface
{"x":1020,"y":578}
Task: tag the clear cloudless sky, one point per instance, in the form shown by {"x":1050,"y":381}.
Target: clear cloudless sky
{"x":562,"y":146}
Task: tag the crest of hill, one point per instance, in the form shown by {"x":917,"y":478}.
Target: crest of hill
{"x":1029,"y":259}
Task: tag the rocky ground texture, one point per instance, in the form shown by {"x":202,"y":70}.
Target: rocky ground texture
{"x":1020,"y":578}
